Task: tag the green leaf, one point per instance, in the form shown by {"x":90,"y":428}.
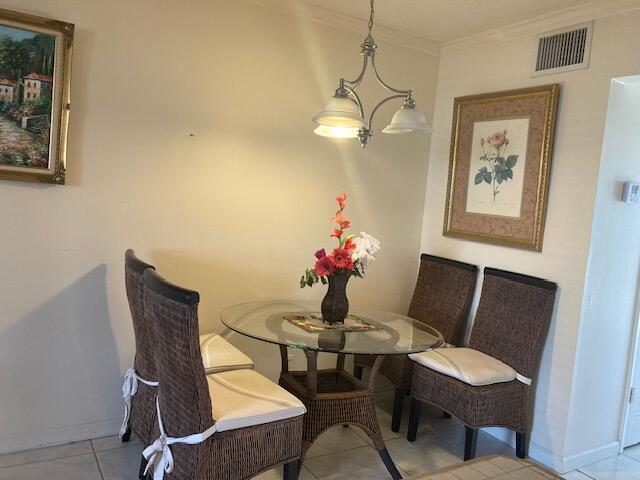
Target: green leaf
{"x":483,"y":157}
{"x":511,"y":161}
{"x":323,"y":280}
{"x":499,"y":178}
{"x":487,"y":177}
{"x":478,"y":179}
{"x":508,"y":173}
{"x":484,"y":170}
{"x":500,"y":160}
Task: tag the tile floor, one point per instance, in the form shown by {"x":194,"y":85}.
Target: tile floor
{"x":341,"y":453}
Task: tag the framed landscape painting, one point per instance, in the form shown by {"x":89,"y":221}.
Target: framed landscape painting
{"x":35,"y":64}
{"x":501,"y":149}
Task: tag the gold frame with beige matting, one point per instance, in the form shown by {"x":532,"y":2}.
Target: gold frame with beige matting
{"x":537,"y":104}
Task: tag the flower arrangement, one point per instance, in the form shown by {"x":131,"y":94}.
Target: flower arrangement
{"x":350,"y":257}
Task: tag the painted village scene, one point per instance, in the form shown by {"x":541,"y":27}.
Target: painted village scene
{"x":26,"y":87}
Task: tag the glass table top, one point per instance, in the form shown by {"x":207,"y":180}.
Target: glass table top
{"x":298,"y":324}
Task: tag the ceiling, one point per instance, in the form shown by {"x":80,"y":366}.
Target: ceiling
{"x":446,"y":20}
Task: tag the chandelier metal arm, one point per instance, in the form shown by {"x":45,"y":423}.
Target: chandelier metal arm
{"x":384,"y":84}
{"x":382,"y":102}
{"x":356,"y":83}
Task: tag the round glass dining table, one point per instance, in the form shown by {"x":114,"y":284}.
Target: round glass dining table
{"x":333,"y":396}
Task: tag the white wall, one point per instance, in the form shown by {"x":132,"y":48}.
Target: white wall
{"x":221,"y":184}
{"x":607,"y":326}
{"x":507,"y":64}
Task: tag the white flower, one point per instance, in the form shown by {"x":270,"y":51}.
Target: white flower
{"x":366,"y":248}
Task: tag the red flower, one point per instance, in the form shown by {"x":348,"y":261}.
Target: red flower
{"x":349,"y":245}
{"x":341,"y":200}
{"x":344,"y":224}
{"x":337,"y":218}
{"x":336,"y":233}
{"x":324,"y":267}
{"x":320,"y":253}
{"x":341,"y":259}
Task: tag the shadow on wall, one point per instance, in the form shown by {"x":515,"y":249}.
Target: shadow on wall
{"x":61,"y":353}
{"x":221,"y":286}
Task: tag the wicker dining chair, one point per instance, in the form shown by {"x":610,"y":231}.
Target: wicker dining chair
{"x":218,"y":355}
{"x":253,"y":424}
{"x":143,"y":413}
{"x":511,"y":326}
{"x":442,"y":299}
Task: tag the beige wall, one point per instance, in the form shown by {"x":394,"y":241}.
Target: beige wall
{"x":574,"y":172}
{"x":221,"y":184}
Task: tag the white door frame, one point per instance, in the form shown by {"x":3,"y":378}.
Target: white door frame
{"x":632,"y":365}
{"x":633,"y":361}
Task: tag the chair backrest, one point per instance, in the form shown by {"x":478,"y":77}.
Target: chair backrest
{"x":144,"y":362}
{"x":172,"y":315}
{"x":513,"y":318}
{"x":443,"y":294}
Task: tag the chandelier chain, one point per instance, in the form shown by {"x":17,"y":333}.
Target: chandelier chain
{"x":371,"y":15}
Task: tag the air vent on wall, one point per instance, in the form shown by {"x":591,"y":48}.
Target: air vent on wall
{"x":563,"y":50}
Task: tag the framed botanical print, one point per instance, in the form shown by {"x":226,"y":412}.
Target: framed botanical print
{"x":501,"y":149}
{"x":35,"y":66}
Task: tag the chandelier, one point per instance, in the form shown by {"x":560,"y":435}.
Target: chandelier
{"x":344,"y":115}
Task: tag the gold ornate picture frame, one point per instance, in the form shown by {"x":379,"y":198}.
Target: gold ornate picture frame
{"x":35,"y":71}
{"x":501,"y":150}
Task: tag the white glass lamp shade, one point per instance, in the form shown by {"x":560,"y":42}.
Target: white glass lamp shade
{"x":336,"y":132}
{"x":408,"y":120}
{"x":340,"y":112}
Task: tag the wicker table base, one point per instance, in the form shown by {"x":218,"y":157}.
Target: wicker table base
{"x":335,"y":397}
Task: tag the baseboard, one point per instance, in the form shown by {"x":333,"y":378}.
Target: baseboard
{"x":537,"y":453}
{"x":555,"y":462}
{"x":58,"y":436}
{"x":581,"y":459}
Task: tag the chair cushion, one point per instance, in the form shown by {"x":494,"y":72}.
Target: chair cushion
{"x":218,"y":355}
{"x":467,"y":365}
{"x":242,"y":398}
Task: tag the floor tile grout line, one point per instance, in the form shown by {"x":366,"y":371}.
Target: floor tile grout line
{"x":52,"y":459}
{"x":627,"y":456}
{"x":337,"y":451}
{"x":309,"y":472}
{"x":97,"y":461}
{"x":588,"y":476}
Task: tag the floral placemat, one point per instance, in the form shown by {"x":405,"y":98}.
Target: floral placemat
{"x":312,"y":322}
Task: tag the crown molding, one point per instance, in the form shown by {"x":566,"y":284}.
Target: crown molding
{"x":544,"y":23}
{"x":329,"y":18}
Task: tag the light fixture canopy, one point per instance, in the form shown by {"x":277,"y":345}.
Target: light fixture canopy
{"x":343,"y":117}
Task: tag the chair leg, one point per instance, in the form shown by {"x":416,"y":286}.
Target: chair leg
{"x":470,"y":442}
{"x":143,"y":465}
{"x":414,"y":419}
{"x":446,"y":414}
{"x":357,"y":371}
{"x":398,"y":405}
{"x":521,"y":444}
{"x":291,"y":471}
{"x":388,"y":462}
{"x":127,"y":435}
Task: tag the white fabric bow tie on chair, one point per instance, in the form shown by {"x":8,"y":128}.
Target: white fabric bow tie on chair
{"x":129,"y":390}
{"x":159,"y":454}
